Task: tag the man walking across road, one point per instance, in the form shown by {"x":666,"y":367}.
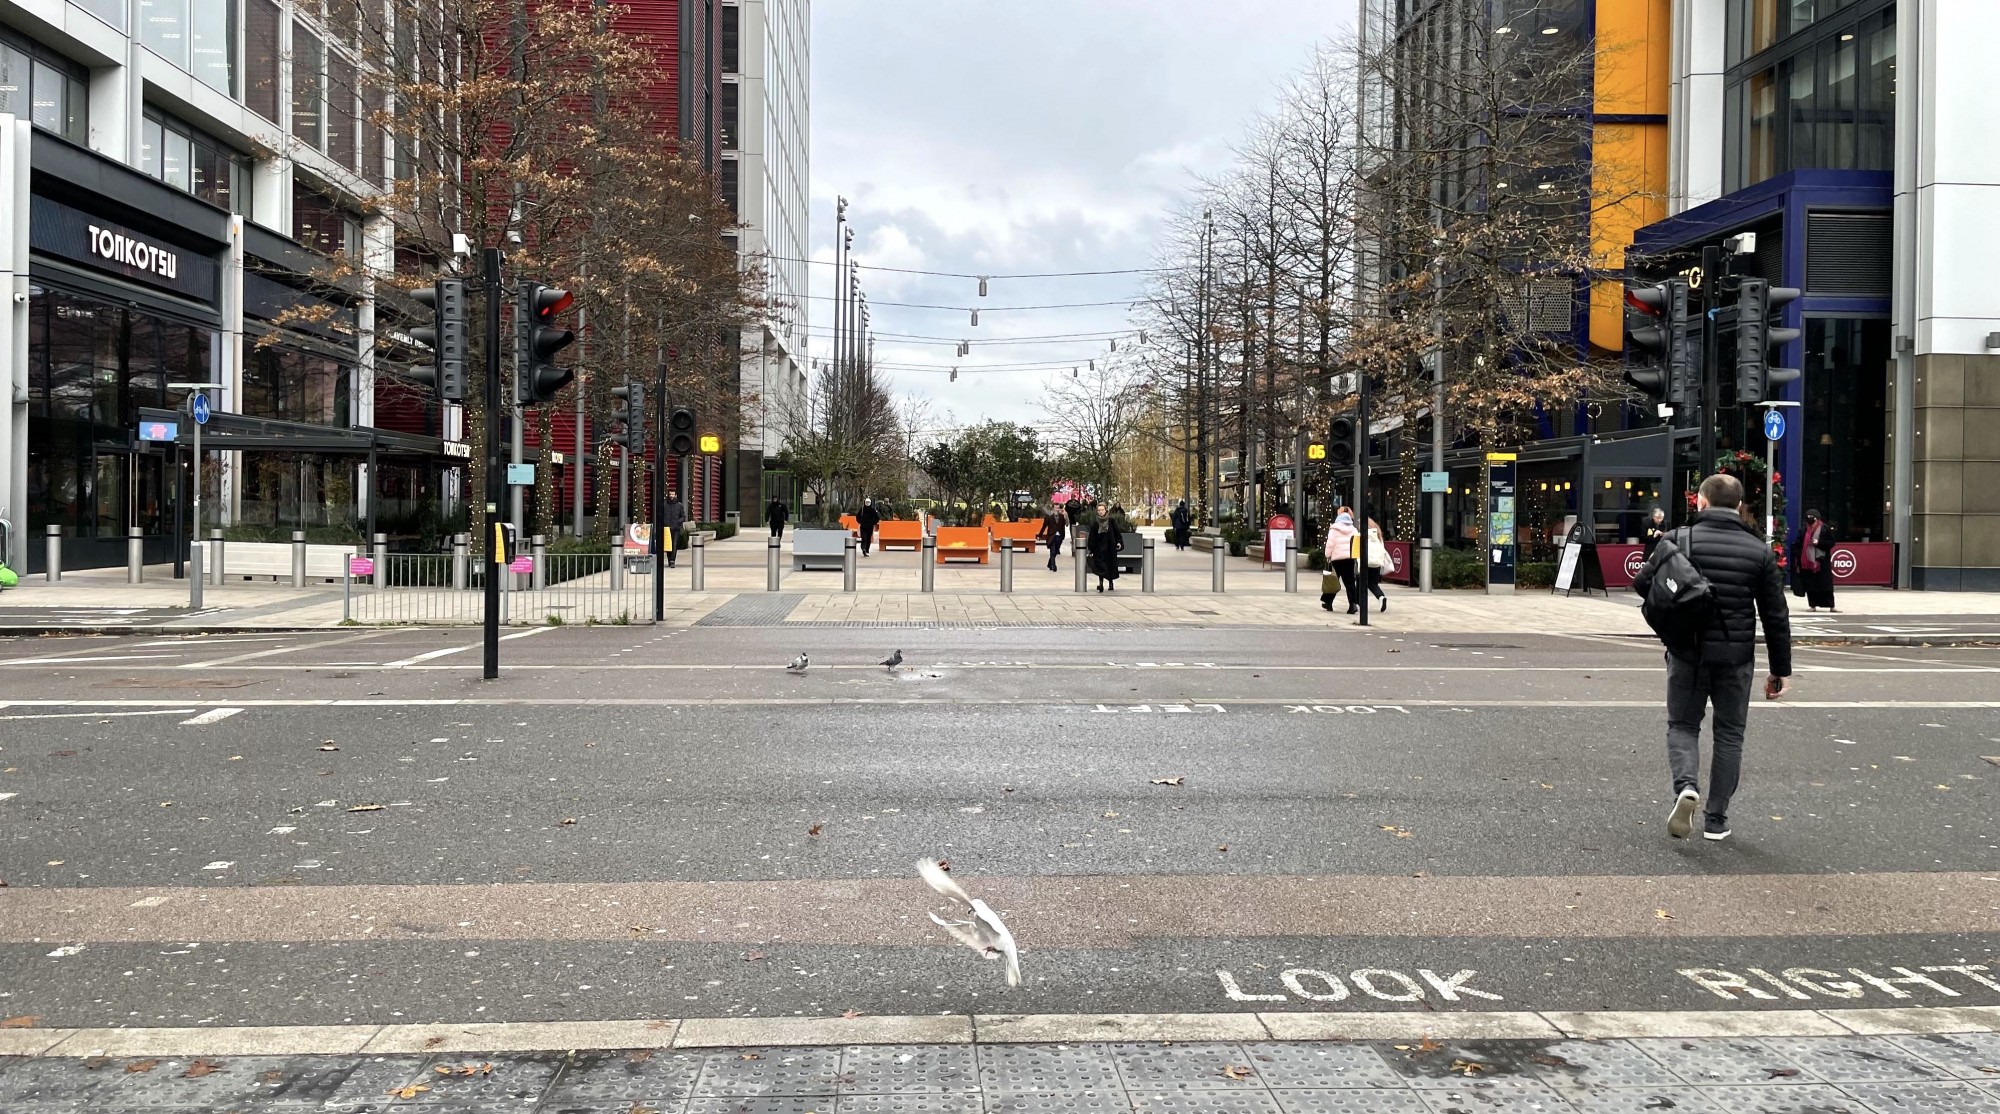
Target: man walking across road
{"x":775,"y":516}
{"x":1717,"y":667}
{"x":869,"y":518}
{"x":1054,"y":526}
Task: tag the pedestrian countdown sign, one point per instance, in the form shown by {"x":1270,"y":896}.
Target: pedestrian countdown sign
{"x":1774,"y":424}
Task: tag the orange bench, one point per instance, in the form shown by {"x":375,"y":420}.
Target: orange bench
{"x":900,"y":533}
{"x":1023,"y":533}
{"x":851,"y":524}
{"x":964,"y":543}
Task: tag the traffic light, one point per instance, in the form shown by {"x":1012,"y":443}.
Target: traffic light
{"x":631,"y":412}
{"x":680,"y":431}
{"x":447,"y":337}
{"x":1340,"y":442}
{"x":1658,"y":323}
{"x":1758,"y":341}
{"x":536,"y":380}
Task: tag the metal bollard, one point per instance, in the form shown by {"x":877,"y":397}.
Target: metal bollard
{"x":381,"y":555}
{"x":539,"y":548}
{"x":52,"y":553}
{"x":699,"y":575}
{"x":772,"y":575}
{"x":1147,"y":564}
{"x":1292,"y":568}
{"x":1079,"y":557}
{"x":617,"y":564}
{"x":928,"y":555}
{"x":298,"y":558}
{"x":135,"y":555}
{"x":848,"y":556}
{"x":1215,"y":558}
{"x":1424,"y":564}
{"x":461,"y":560}
{"x":1006,"y":566}
{"x":215,"y":558}
{"x":194,"y":576}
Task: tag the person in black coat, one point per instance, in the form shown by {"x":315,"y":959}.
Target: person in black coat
{"x":1748,"y":587}
{"x":1183,"y":521}
{"x":1812,"y":563}
{"x":775,"y":516}
{"x":674,"y":517}
{"x":869,"y":518}
{"x":1656,"y":528}
{"x":1054,"y":526}
{"x":1105,"y":541}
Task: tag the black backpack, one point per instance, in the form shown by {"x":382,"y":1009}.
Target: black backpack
{"x":1680,"y":602}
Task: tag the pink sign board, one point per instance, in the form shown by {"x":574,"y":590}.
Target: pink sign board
{"x":360,"y":566}
{"x":521,"y":564}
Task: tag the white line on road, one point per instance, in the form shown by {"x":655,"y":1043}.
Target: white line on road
{"x":213,"y":715}
{"x":99,"y":715}
{"x":312,"y":644}
{"x":80,"y":658}
{"x":892,"y":702}
{"x":434,"y":654}
{"x":6,"y":796}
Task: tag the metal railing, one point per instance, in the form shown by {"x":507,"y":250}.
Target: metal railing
{"x":550,"y":589}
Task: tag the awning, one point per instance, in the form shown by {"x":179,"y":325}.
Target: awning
{"x":233,"y":432}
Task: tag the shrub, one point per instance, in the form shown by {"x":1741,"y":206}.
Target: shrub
{"x":1457,"y":568}
{"x":1535,"y":574}
{"x":721,"y":529}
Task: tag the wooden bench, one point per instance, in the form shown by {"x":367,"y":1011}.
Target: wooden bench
{"x":900,"y":533}
{"x":819,"y":549}
{"x":1023,"y":534}
{"x":962,"y":543}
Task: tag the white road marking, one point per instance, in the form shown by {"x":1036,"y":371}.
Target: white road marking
{"x":220,"y":864}
{"x":103,"y":715}
{"x":213,"y":715}
{"x":75,"y":659}
{"x":66,"y":950}
{"x":308,"y":644}
{"x":6,"y":796}
{"x":150,"y":902}
{"x":447,"y":651}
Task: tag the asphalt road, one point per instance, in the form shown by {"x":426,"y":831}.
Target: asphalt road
{"x":351,"y":826}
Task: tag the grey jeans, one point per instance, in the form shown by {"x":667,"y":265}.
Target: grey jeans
{"x":1691,"y":686}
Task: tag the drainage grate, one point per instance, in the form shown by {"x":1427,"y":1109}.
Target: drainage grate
{"x":761,"y":610}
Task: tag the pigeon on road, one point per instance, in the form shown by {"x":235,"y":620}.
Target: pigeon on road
{"x":983,"y":933}
{"x":894,"y":660}
{"x":799,"y":664}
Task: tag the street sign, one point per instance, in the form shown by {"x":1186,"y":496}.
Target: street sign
{"x":360,"y":566}
{"x":200,"y":408}
{"x":521,"y":475}
{"x":1774,"y":424}
{"x":159,"y":431}
{"x":1437,"y":482}
{"x":523,"y":563}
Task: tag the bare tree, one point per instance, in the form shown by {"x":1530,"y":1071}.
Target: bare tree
{"x":1093,"y":415}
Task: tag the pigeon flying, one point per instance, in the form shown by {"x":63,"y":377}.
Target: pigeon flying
{"x":983,"y":933}
{"x":894,"y":660}
{"x":799,"y":664}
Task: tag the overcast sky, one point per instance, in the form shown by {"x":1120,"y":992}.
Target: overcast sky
{"x":1024,"y":136}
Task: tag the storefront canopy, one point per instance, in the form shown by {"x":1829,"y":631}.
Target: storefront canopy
{"x":234,"y":432}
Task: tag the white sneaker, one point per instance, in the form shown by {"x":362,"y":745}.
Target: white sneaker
{"x":1680,"y":822}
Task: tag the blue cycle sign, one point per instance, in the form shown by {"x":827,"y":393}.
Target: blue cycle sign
{"x":1774,"y":425}
{"x":200,"y":409}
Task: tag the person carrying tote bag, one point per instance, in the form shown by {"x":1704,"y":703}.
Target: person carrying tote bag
{"x":1343,"y":541}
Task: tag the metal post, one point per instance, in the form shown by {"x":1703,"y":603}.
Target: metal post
{"x":298,"y":558}
{"x":927,"y":555}
{"x":1424,"y":550}
{"x":539,"y":549}
{"x":848,"y":554}
{"x":1292,"y":568}
{"x":1148,"y":565}
{"x":698,"y":547}
{"x":135,"y":555}
{"x":381,"y":555}
{"x":1215,"y":557}
{"x":216,"y":554}
{"x":460,"y":559}
{"x":1080,"y":558}
{"x":490,"y":264}
{"x":347,"y":592}
{"x":52,"y":553}
{"x":772,"y":553}
{"x":194,"y":576}
{"x":1006,"y":566}
{"x":617,"y":564}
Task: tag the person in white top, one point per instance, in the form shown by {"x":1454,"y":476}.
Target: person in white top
{"x":1380,"y":560}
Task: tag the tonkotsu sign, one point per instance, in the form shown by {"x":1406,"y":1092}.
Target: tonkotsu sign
{"x":66,"y":233}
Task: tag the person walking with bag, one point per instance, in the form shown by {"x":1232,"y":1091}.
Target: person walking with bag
{"x":1182,"y":519}
{"x":1054,"y":526}
{"x":1706,"y":588}
{"x":1341,"y":541}
{"x":1104,"y":544}
{"x":1380,"y":560}
{"x":1812,"y":564}
{"x":674,"y":517}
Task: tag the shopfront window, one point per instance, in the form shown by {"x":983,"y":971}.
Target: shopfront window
{"x":1813,"y":90}
{"x":1845,"y":427}
{"x":44,"y":87}
{"x":294,"y":385}
{"x":91,"y":366}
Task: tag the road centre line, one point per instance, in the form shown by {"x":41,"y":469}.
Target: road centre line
{"x":255,"y":654}
{"x":1542,"y":705}
{"x":417,"y":663}
{"x":434,"y":654}
{"x":102,"y":715}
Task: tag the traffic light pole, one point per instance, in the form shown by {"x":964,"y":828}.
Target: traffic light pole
{"x":1361,"y":495}
{"x":494,"y":487}
{"x":660,"y":497}
{"x":1713,"y":260}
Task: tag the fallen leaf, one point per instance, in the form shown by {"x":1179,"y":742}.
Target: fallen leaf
{"x":569,"y":821}
{"x":1169,"y":780}
{"x":638,"y":1055}
{"x":754,"y":957}
{"x":849,"y":1015}
{"x":748,"y":1056}
{"x":1662,"y":914}
{"x":1236,"y":1071}
{"x":815,"y":829}
{"x":433,"y":1042}
{"x":1223,"y":847}
{"x":1468,"y":1067}
{"x":1428,"y":1045}
{"x":1990,"y":1071}
{"x":1782,"y":1073}
{"x":141,"y":1066}
{"x":275,"y":1075}
{"x":200,"y":1068}
{"x":944,"y":865}
{"x":1548,"y":1060}
{"x":409,"y":1092}
{"x":1110,"y":816}
{"x":365,"y":808}
{"x":26,"y":1021}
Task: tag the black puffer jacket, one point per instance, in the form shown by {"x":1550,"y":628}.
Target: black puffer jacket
{"x":1744,"y":573}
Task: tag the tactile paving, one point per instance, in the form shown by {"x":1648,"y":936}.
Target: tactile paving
{"x":1971,"y":1056}
{"x":1051,"y":1068}
{"x":1857,"y":1059}
{"x":647,"y":1079}
{"x":1320,"y":1065}
{"x":1736,"y":1061}
{"x":1611,"y":1063}
{"x":1678,"y":1098}
{"x":1351,"y":1100}
{"x":1252,"y":1100}
{"x":909,"y":1104}
{"x":772,"y":1071}
{"x":1810,"y":1098}
{"x":1196,"y":1066}
{"x":1526,"y":1096}
{"x":1057,"y":1102}
{"x":906,"y":1069}
{"x":1925,"y":1098}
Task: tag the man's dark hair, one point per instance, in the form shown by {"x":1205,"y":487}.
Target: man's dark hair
{"x":1723,"y":491}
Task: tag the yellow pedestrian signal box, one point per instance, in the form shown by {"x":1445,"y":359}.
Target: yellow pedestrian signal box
{"x":710,"y":443}
{"x":1315,"y":451}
